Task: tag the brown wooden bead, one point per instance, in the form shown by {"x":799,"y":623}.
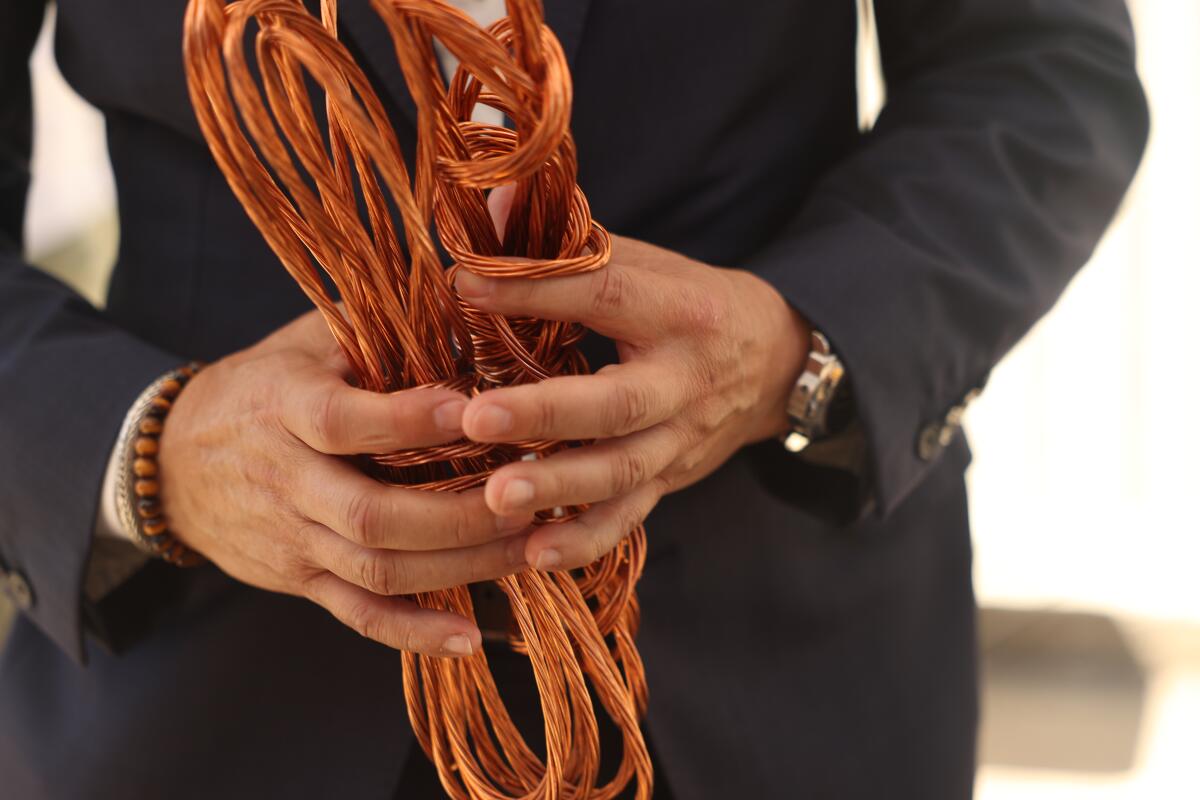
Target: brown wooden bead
{"x":145,"y":467}
{"x":148,"y":507}
{"x":160,"y":405}
{"x":170,"y":387}
{"x":188,"y":371}
{"x":151,"y":426}
{"x":146,"y":488}
{"x":145,"y":446}
{"x":156,"y":526}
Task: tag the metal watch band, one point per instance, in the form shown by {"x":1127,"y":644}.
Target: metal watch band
{"x":809,"y":403}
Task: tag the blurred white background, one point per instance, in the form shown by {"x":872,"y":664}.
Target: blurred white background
{"x":1086,"y":440}
{"x":1085,"y":479}
{"x":1083,"y":486}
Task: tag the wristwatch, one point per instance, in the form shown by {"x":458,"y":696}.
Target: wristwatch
{"x":819,"y":403}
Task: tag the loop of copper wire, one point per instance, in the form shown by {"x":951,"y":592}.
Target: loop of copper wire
{"x":401,"y":325}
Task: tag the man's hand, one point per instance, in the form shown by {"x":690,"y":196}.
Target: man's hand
{"x":252,"y":477}
{"x":708,"y":359}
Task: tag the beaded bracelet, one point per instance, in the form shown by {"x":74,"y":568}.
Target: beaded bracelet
{"x":138,"y":503}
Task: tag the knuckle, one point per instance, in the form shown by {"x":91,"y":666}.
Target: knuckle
{"x":702,"y":311}
{"x":325,"y":420}
{"x":688,"y":460}
{"x":593,"y":545}
{"x":301,"y":551}
{"x":634,"y":513}
{"x":262,"y":401}
{"x":706,"y":373}
{"x":263,"y":473}
{"x":296,"y":572}
{"x":544,"y":415}
{"x":627,"y":520}
{"x":597,"y":547}
{"x":612,"y":289}
{"x":363,"y":517}
{"x":548,"y":415}
{"x":629,"y":408}
{"x":554,"y":485}
{"x":404,"y":635}
{"x":687,"y":443}
{"x":362,"y":619}
{"x":377,"y":627}
{"x":405,"y":638}
{"x":380,"y":575}
{"x":629,"y":470}
{"x":306,"y":585}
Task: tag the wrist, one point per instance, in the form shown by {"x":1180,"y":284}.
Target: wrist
{"x":138,"y":487}
{"x":786,"y":336}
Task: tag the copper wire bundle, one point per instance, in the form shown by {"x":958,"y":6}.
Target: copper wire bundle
{"x":325,"y":194}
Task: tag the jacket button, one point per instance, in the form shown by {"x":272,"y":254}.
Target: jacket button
{"x":18,"y":590}
{"x":929,"y":442}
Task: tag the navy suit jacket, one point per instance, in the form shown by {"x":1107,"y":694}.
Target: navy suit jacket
{"x":788,"y":654}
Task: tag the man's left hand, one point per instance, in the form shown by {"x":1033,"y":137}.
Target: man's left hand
{"x":708,"y":357}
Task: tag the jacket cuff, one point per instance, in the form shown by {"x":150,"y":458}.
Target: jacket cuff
{"x":834,"y":276}
{"x":73,"y":389}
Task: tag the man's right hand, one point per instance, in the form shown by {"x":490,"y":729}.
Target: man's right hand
{"x":253,"y":477}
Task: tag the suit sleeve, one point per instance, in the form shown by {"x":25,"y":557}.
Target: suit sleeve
{"x":1011,"y":132}
{"x":67,"y":378}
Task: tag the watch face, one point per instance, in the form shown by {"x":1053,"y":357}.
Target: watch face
{"x":817,"y":406}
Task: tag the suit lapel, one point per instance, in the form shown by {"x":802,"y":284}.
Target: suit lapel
{"x":370,"y":41}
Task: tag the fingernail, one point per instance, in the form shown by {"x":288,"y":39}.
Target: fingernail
{"x":548,"y":560}
{"x":492,"y":420}
{"x":448,"y":416}
{"x":473,"y":286}
{"x":458,"y":645}
{"x":517,"y":494}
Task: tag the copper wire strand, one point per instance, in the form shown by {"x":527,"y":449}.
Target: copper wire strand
{"x":324,"y":193}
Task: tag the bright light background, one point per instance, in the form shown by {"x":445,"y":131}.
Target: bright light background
{"x":1086,"y":441}
{"x":1087,"y":436}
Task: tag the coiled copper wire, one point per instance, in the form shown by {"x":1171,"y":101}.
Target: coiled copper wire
{"x":325,"y":195}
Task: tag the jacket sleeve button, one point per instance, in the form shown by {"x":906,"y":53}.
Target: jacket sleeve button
{"x":18,"y":590}
{"x":929,"y":443}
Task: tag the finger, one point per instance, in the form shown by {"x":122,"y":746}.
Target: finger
{"x":619,"y":399}
{"x":330,"y":416}
{"x":371,"y":514}
{"x":394,"y":621}
{"x":568,"y":545}
{"x":393,"y":572}
{"x":618,"y":301}
{"x":499,"y":203}
{"x":581,"y":475}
